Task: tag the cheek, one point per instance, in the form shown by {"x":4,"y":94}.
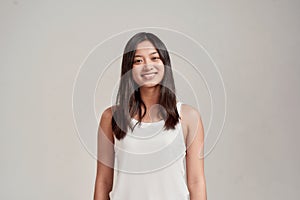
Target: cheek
{"x":162,"y":70}
{"x":135,"y":73}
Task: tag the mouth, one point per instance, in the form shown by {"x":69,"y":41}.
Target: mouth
{"x":148,"y":76}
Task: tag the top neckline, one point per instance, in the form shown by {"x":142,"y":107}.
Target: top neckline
{"x":148,"y":123}
{"x":151,"y":123}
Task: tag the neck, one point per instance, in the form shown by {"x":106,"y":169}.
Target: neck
{"x":150,"y":95}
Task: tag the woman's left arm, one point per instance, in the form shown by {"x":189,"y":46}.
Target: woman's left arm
{"x":195,"y":155}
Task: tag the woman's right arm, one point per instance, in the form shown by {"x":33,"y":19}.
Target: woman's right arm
{"x":105,"y":162}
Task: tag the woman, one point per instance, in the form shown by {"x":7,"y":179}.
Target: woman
{"x":149,"y":166}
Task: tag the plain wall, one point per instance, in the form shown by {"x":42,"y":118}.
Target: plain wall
{"x":256,"y":45}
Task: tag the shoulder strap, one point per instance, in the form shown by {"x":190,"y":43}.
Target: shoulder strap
{"x":179,"y":103}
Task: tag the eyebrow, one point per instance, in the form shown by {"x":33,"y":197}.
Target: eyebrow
{"x":149,"y":54}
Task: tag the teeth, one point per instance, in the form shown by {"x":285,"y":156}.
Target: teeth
{"x":148,"y":76}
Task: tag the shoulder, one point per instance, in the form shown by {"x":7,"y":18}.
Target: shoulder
{"x":191,"y":118}
{"x":105,"y":122}
{"x":188,"y":112}
{"x":108,"y":113}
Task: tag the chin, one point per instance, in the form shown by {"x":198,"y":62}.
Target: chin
{"x":150,"y":85}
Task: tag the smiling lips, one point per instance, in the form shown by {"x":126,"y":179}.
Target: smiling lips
{"x":149,"y":76}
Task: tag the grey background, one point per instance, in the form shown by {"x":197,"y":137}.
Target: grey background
{"x":254,"y":43}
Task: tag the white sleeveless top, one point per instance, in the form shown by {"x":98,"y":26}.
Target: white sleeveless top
{"x":150,"y":163}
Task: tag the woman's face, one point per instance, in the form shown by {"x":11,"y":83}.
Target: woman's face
{"x":148,"y":68}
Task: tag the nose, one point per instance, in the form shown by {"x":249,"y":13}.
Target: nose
{"x":148,"y":65}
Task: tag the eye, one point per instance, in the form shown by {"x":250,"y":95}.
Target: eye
{"x":137,"y":61}
{"x":156,"y":58}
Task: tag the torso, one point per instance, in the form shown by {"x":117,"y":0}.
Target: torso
{"x":183,"y":122}
{"x":154,"y":162}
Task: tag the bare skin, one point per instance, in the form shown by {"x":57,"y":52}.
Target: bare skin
{"x":191,"y":122}
{"x":105,"y":163}
{"x":194,"y":136}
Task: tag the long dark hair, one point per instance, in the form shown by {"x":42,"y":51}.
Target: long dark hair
{"x":129,"y":102}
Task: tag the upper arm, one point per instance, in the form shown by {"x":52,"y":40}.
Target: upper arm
{"x":195,"y":145}
{"x":105,"y":149}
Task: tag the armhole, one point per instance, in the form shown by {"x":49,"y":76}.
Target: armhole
{"x":113,"y":134}
{"x":179,"y":103}
{"x":179,"y":106}
{"x":183,"y":162}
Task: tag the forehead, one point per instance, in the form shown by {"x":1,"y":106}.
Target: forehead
{"x":145,"y":46}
